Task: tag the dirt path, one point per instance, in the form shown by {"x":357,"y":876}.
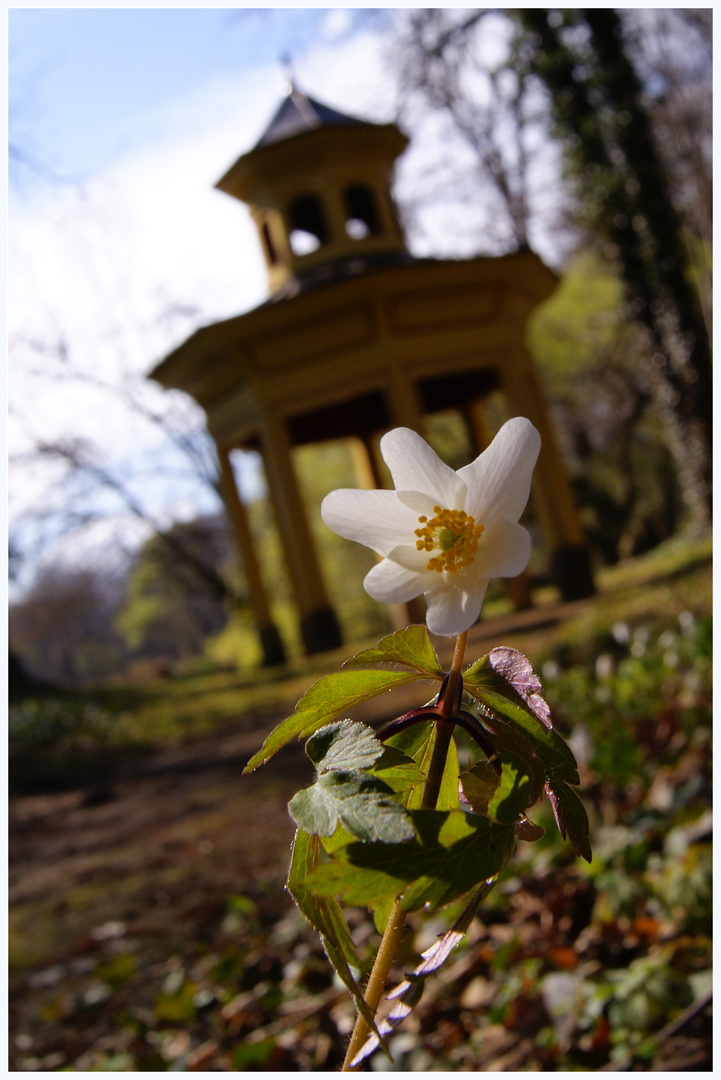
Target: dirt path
{"x":119,"y":851}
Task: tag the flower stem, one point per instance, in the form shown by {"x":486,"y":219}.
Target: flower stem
{"x":377,"y":980}
{"x":454,"y":675}
{"x":444,"y":727}
{"x":396,"y":919}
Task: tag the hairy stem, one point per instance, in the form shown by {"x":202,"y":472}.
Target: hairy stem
{"x":376,"y":982}
{"x":396,"y":919}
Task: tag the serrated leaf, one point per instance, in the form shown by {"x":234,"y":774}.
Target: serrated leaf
{"x":509,"y":796}
{"x":571,"y":818}
{"x":454,"y":851}
{"x":324,"y":701}
{"x":520,"y":731}
{"x":410,"y":647}
{"x":528,"y":830}
{"x":492,"y":690}
{"x":517,"y":670}
{"x":364,"y":803}
{"x":398,"y":769}
{"x":503,"y":797}
{"x":479,"y":783}
{"x":325,"y":915}
{"x":344,"y":746}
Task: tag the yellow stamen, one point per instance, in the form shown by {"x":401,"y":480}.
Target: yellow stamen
{"x":453,"y":534}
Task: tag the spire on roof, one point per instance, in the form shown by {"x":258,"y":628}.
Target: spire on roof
{"x":298,"y":113}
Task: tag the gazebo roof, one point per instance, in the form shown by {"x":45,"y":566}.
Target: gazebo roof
{"x":298,"y":113}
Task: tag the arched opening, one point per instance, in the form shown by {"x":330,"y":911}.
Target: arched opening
{"x":269,"y":245}
{"x":360,"y":206}
{"x":308,"y":228}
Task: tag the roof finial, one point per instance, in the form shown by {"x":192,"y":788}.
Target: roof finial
{"x":289,"y":84}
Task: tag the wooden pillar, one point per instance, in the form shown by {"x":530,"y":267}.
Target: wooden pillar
{"x":476,"y":425}
{"x":570,"y":559}
{"x":403,"y":400}
{"x":270,"y":640}
{"x":364,"y":461}
{"x":318,"y":622}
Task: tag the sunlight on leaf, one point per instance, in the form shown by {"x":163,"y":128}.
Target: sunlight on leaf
{"x":324,"y":701}
{"x":453,"y":853}
{"x":365,"y":805}
{"x":345,"y":745}
{"x":410,"y":647}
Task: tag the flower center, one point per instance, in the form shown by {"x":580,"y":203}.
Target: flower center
{"x":453,"y":534}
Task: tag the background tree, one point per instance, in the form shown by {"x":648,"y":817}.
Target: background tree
{"x":64,"y":627}
{"x":615,"y":95}
{"x":598,"y":373}
{"x":622,"y":182}
{"x":464,"y":80}
{"x":171,"y":605}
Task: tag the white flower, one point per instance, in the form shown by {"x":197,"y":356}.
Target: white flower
{"x":442,"y":533}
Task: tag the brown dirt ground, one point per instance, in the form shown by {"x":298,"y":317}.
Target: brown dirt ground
{"x":155,"y":855}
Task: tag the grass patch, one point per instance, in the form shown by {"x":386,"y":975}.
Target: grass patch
{"x":61,"y":740}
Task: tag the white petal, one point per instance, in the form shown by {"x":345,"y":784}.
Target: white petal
{"x":418,"y":503}
{"x":499,"y":480}
{"x":452,"y":609}
{"x":415,"y":467}
{"x":391,"y":583}
{"x":375,"y":518}
{"x":503,"y":550}
{"x":413,"y":559}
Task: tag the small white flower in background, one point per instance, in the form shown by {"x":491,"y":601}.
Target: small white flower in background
{"x":442,"y":533}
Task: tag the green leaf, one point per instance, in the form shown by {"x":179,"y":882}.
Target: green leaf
{"x":410,"y":647}
{"x":518,"y":726}
{"x":343,"y":746}
{"x":324,"y":701}
{"x":365,"y":804}
{"x":325,"y":914}
{"x":571,"y":818}
{"x":454,"y":851}
{"x":418,"y":742}
{"x":398,"y":769}
{"x":494,"y":691}
{"x":382,"y":913}
{"x":504,"y":797}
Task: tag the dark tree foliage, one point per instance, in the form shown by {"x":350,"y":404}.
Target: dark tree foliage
{"x":598,"y":103}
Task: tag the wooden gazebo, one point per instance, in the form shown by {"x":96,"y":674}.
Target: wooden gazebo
{"x":358,"y":337}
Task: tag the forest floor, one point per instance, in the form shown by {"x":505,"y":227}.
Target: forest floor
{"x":150,"y":929}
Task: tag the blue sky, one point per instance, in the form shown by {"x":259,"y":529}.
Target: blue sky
{"x":132,"y":116}
{"x":90,"y":85}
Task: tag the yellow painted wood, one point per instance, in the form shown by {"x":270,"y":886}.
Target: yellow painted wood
{"x":300,"y":553}
{"x":244,"y":538}
{"x":347,"y":343}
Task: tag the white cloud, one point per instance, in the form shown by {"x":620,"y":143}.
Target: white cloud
{"x":96,"y":265}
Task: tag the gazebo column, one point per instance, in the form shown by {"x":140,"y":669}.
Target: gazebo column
{"x":318,"y":623}
{"x":270,"y":640}
{"x":570,"y":558}
{"x":365,"y":465}
{"x":476,"y":425}
{"x":403,"y":400}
